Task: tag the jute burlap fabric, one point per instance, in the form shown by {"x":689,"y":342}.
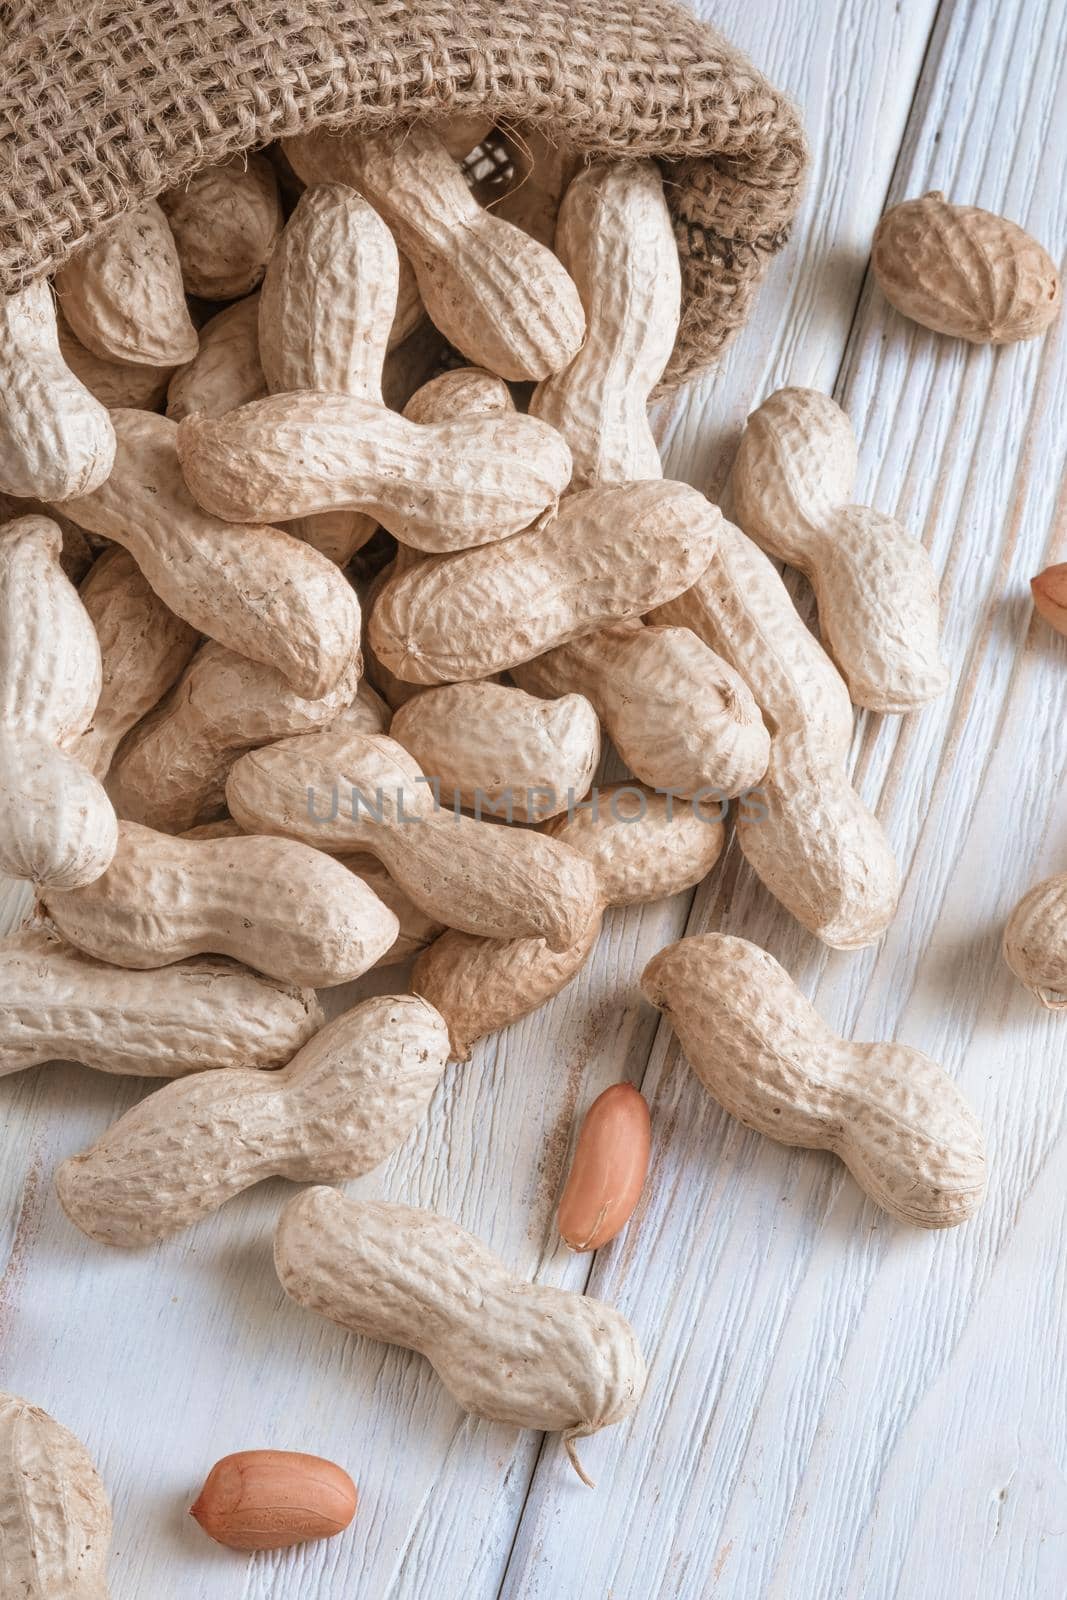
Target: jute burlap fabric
{"x":105,"y":104}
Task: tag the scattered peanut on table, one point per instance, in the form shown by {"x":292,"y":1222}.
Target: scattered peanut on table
{"x":522,"y":1353}
{"x":270,"y":1499}
{"x":346,"y":1100}
{"x":54,"y":1510}
{"x":1049,"y":590}
{"x":895,"y":1118}
{"x":608,"y":1170}
{"x":791,"y":483}
{"x":1035,"y":942}
{"x":964,"y":271}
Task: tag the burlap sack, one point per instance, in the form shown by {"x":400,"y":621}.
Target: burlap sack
{"x":104,"y":104}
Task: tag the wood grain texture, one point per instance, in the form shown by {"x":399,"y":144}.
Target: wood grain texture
{"x":837,"y":1406}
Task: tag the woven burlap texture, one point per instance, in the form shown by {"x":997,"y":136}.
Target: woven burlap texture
{"x":106,"y":104}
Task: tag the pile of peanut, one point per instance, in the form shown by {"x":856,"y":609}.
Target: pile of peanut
{"x":375,"y":553}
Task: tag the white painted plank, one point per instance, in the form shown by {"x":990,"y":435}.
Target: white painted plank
{"x":841,"y":1406}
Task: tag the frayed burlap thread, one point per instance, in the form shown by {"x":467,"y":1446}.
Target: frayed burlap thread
{"x":105,"y":104}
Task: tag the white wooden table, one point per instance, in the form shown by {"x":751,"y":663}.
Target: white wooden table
{"x":837,"y":1405}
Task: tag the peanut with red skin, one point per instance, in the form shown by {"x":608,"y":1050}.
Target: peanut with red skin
{"x":271,"y":1499}
{"x":608,"y":1170}
{"x":1049,"y":590}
